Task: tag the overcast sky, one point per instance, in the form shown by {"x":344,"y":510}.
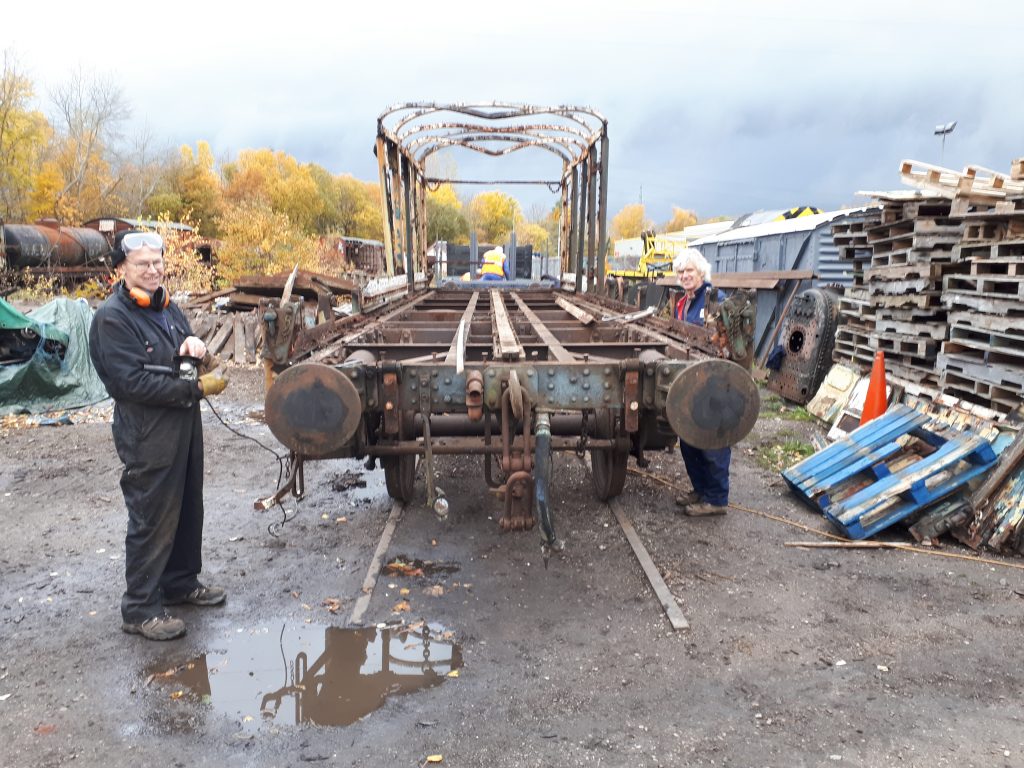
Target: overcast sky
{"x":721,"y":107}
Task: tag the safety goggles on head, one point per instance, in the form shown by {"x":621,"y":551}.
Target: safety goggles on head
{"x":135,"y":240}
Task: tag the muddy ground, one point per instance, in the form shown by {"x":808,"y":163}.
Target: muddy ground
{"x":794,"y":657}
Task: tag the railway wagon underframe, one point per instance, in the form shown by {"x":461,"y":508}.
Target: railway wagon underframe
{"x":508,"y":373}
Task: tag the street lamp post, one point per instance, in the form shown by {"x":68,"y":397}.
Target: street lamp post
{"x":944,"y":131}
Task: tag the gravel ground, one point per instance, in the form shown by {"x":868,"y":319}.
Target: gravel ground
{"x":794,"y":657}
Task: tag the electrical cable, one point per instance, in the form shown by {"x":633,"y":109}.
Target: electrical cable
{"x":282,"y":469}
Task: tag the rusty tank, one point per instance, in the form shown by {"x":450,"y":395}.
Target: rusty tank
{"x":47,"y":244}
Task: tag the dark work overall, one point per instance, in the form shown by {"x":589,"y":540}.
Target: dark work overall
{"x":158,"y":435}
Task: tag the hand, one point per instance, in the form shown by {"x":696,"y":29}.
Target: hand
{"x":193,"y":347}
{"x":212,"y":384}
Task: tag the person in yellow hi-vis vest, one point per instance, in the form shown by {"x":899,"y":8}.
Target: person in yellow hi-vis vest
{"x":493,"y":267}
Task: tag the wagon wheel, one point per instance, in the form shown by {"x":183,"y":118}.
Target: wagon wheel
{"x":607,"y":465}
{"x":400,"y":471}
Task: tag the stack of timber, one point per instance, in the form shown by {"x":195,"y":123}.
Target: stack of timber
{"x":911,"y":252}
{"x":983,"y":359}
{"x":856,"y":313}
{"x":232,"y":336}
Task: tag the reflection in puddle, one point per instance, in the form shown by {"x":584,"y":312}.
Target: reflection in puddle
{"x":313,"y":674}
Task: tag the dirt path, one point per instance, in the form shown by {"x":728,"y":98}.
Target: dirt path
{"x":794,"y":658}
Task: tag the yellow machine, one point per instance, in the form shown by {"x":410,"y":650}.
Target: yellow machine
{"x":654,"y":261}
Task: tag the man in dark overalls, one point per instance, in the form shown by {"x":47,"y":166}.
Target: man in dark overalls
{"x":158,"y":434}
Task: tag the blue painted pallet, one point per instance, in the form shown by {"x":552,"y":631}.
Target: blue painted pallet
{"x":872,"y":478}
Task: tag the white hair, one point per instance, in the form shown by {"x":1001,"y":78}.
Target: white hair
{"x":691,"y":257}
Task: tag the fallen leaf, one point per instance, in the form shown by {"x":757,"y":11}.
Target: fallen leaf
{"x":92,"y":613}
{"x":435,"y":591}
{"x":44,"y":729}
{"x":295,"y":595}
{"x":247,"y":719}
{"x":341,"y":519}
{"x":307,"y":606}
{"x":404,"y":591}
{"x":400,"y":568}
{"x":333,"y":604}
{"x":325,"y":516}
{"x":401,"y":607}
{"x":433,"y":542}
{"x":435,"y":758}
{"x":177,"y":694}
{"x":453,"y":673}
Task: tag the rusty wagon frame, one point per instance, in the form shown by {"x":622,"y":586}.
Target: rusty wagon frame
{"x":510,"y":370}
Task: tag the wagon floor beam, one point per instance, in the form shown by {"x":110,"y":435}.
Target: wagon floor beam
{"x":506,"y":343}
{"x":555,"y":347}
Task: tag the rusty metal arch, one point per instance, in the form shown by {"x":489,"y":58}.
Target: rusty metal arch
{"x":407,"y":134}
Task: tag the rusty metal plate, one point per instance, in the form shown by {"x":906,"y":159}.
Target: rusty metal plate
{"x":712,"y":404}
{"x":313,"y":409}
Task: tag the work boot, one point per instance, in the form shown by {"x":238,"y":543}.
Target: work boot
{"x":162,"y":627}
{"x":703,"y":509}
{"x":687,"y":499}
{"x":199,"y":596}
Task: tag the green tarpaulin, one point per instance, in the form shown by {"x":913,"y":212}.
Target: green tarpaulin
{"x":45,"y":382}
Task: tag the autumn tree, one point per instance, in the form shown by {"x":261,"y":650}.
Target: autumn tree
{"x":89,"y":113}
{"x":681,"y":219}
{"x":259,"y":240}
{"x":359,"y":208}
{"x":445,"y":218}
{"x":23,"y":134}
{"x":630,"y":221}
{"x":277,"y":179}
{"x":493,"y":214}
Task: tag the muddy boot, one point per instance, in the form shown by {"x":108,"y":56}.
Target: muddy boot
{"x":703,"y":509}
{"x":687,"y":499}
{"x":199,"y":596}
{"x":163,"y":627}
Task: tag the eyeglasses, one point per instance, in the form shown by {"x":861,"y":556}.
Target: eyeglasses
{"x":135,"y":240}
{"x":145,"y":266}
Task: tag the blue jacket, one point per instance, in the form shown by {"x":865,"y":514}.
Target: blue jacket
{"x":693,"y":311}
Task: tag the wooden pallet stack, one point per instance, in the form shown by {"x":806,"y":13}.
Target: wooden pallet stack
{"x":856,"y":313}
{"x":911,"y":252}
{"x":234,"y":337}
{"x":983,"y":359}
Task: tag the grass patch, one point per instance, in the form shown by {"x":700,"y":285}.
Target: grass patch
{"x":779,"y":455}
{"x":775,"y":406}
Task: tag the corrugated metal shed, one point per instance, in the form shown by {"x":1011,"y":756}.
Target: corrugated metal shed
{"x":803,"y":243}
{"x":800,"y":243}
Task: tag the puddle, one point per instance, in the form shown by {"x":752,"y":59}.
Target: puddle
{"x":310,"y":673}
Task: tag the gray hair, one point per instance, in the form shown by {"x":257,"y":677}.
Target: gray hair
{"x":692,"y":257}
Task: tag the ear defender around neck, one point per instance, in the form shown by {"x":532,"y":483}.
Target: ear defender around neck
{"x":157,"y":300}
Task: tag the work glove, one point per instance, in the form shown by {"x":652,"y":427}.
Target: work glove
{"x":212,"y":384}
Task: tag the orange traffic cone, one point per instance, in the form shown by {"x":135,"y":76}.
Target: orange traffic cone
{"x":876,"y":402}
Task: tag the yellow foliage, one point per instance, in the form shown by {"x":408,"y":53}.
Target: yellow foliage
{"x":630,"y":221}
{"x":184,"y":268}
{"x":47,"y":185}
{"x":533,"y":234}
{"x":260,"y":240}
{"x":681,"y":219}
{"x":493,"y":215}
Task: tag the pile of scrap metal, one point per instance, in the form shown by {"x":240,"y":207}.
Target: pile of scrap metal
{"x":228,"y":320}
{"x":512,"y":371}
